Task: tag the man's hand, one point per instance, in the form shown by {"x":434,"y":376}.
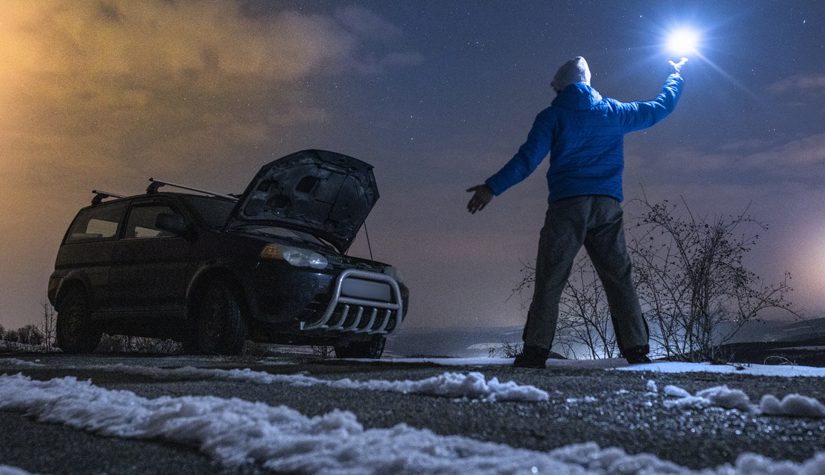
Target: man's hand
{"x":482,"y":194}
{"x":677,"y":67}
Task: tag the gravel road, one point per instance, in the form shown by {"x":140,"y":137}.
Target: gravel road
{"x":618,"y":412}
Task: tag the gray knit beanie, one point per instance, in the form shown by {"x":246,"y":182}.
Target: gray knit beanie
{"x":571,"y":72}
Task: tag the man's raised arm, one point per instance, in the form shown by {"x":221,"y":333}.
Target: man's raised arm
{"x":643,"y":114}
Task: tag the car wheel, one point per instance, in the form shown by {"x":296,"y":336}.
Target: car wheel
{"x":220,"y":327}
{"x":189,"y":343}
{"x":75,"y":331}
{"x":373,"y":348}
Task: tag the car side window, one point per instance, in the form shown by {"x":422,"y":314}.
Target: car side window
{"x":141,"y":223}
{"x":96,"y":223}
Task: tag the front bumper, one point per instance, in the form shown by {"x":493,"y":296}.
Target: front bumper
{"x":300,"y":304}
{"x":361,"y":302}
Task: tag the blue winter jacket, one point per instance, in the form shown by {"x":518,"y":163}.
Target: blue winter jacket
{"x":584,"y":134}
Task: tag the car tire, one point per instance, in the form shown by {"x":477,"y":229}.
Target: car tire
{"x":75,"y":331}
{"x":372,"y":349}
{"x":189,"y":343}
{"x":220,"y":327}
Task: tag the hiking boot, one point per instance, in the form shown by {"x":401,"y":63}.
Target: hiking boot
{"x":637,"y":355}
{"x":532,"y":357}
{"x":638,"y":359}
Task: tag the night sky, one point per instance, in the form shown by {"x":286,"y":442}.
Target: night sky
{"x":437,"y":95}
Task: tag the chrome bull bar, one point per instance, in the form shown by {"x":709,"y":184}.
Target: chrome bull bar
{"x":378,"y":312}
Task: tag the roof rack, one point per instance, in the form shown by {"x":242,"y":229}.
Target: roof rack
{"x":102,"y":195}
{"x":155,"y":184}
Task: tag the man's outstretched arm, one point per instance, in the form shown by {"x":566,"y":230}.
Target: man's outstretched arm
{"x":523,"y":163}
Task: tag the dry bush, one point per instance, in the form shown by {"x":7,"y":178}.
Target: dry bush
{"x":692,"y":280}
{"x":134,"y":344}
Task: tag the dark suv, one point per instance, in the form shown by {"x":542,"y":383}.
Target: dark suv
{"x":214,"y":270}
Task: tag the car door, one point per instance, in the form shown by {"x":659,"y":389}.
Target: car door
{"x":151,"y":267}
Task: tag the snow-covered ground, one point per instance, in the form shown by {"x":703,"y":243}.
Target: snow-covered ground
{"x":751,"y":369}
{"x":472,"y":385}
{"x":621,"y":364}
{"x":497,"y":361}
{"x":236,"y":432}
{"x":480,"y":362}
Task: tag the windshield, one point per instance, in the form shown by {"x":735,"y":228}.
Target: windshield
{"x":213,"y":211}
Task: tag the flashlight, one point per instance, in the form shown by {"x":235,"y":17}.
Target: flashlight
{"x":683,"y":42}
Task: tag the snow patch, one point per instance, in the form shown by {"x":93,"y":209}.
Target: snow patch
{"x":794,"y":405}
{"x":237,"y":432}
{"x":473,"y":385}
{"x":675,"y":391}
{"x":9,"y":470}
{"x":791,"y":405}
{"x":18,"y":363}
{"x":751,"y":369}
{"x":719,"y":396}
{"x":727,"y":398}
{"x":586,"y":399}
{"x":651,"y":386}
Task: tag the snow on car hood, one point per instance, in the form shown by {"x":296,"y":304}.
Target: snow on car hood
{"x":325,"y":193}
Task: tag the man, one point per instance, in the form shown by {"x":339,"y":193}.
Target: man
{"x":584,"y":134}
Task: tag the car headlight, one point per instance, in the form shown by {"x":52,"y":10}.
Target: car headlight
{"x":394,"y":273}
{"x":295,"y":256}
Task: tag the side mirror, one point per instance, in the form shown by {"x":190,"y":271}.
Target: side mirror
{"x":172,"y":223}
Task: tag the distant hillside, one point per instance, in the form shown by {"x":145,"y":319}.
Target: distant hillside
{"x":468,"y":342}
{"x":456,"y":342}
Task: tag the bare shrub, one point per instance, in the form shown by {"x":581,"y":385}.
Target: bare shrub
{"x":12,"y":336}
{"x":505,"y":350}
{"x":47,"y":325}
{"x":585,"y":313}
{"x":30,"y":335}
{"x":133,"y":344}
{"x":692,"y":281}
{"x":584,"y":316}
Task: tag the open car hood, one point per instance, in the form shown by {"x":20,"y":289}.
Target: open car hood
{"x":325,"y":193}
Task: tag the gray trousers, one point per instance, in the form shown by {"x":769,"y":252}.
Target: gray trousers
{"x":596,"y":222}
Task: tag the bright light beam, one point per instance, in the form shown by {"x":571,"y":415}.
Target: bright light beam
{"x":683,"y":42}
{"x":727,"y":76}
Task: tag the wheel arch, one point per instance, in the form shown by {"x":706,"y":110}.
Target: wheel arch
{"x":71,"y":283}
{"x":201,"y":281}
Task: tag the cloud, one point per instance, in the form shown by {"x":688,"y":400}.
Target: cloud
{"x":811,"y":83}
{"x":366,"y":23}
{"x":801,"y":160}
{"x":137,"y":82}
{"x":106,"y":93}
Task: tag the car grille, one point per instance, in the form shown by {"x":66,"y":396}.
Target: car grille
{"x":362,"y":302}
